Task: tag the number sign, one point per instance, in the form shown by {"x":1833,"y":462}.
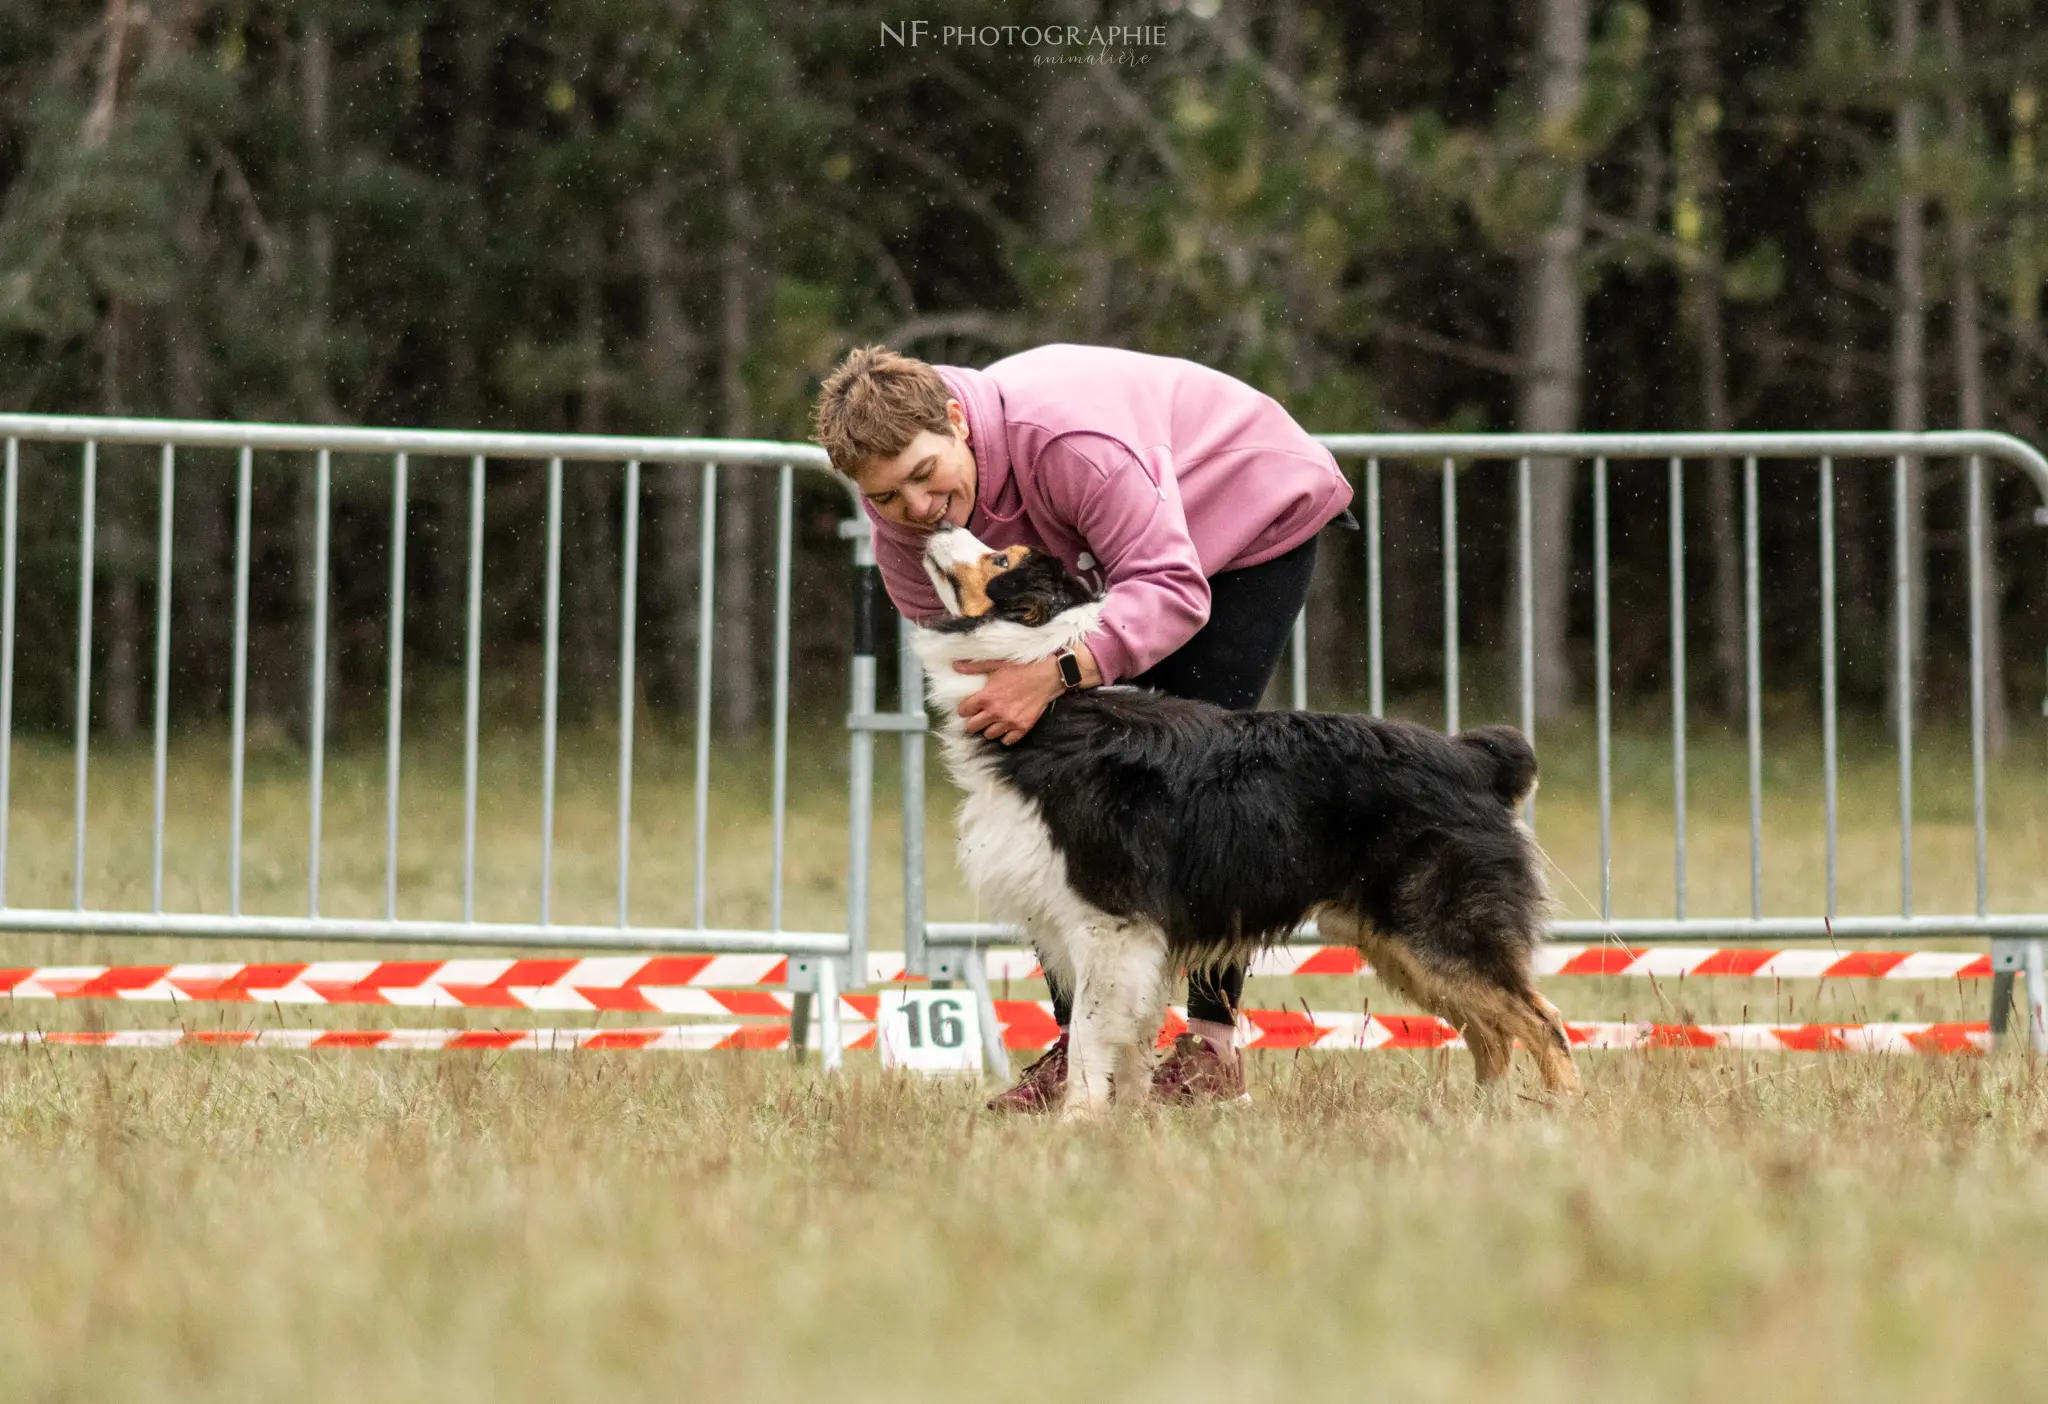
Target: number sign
{"x":930,"y":1031}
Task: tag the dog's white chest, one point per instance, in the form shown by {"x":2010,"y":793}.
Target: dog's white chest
{"x":1006,"y":851}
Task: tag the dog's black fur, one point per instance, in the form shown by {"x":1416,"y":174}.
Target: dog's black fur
{"x":1226,"y":829}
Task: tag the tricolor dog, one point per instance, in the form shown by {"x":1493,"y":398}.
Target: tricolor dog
{"x":1133,"y":834}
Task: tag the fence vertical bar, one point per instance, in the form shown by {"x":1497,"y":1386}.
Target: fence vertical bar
{"x":2036,"y":958}
{"x":550,"y":689}
{"x":785,"y":530}
{"x":1451,"y":683}
{"x":322,"y":516}
{"x":1297,"y":651}
{"x":472,"y":664}
{"x":910,"y":691}
{"x":1525,"y":611}
{"x":629,"y":627}
{"x":860,"y":783}
{"x":1677,"y":481}
{"x":1902,"y":604}
{"x":245,"y":491}
{"x":995,"y":1058}
{"x":82,"y":724}
{"x":707,"y":547}
{"x":1603,"y":692}
{"x":832,"y":1049}
{"x":7,"y":572}
{"x":1978,"y":605}
{"x":1830,"y":740}
{"x":394,"y":684}
{"x":1375,"y":642}
{"x":165,"y":488}
{"x":1752,"y":607}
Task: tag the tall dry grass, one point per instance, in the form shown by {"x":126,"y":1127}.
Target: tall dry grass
{"x":235,"y":1225}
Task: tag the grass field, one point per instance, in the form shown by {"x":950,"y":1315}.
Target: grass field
{"x":351,"y":1226}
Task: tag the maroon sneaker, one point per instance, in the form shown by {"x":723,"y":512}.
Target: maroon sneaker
{"x":1040,"y":1089}
{"x":1195,"y":1072}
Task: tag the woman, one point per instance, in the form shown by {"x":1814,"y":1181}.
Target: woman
{"x":1189,"y":497}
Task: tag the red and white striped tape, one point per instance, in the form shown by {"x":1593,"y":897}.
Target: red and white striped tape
{"x":1028,"y":1025}
{"x":1270,"y":1029}
{"x":660,"y":984}
{"x":672,"y":1038}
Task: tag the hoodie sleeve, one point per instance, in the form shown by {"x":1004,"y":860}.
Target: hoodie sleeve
{"x":901,"y":557}
{"x":1129,"y":517}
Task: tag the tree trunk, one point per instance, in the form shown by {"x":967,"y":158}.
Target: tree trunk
{"x":590,"y":627}
{"x":1068,"y":158}
{"x":1909,"y":365}
{"x":672,"y":350}
{"x":1969,"y":356}
{"x":1861,"y":622}
{"x":1550,"y":333}
{"x":203,"y":622}
{"x":120,"y":683}
{"x":474,"y":38}
{"x":1696,"y":225}
{"x":738,"y":665}
{"x":120,"y":708}
{"x":316,"y":60}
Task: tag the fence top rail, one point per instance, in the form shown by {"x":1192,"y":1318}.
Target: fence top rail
{"x":438,"y":443}
{"x":618,"y":448}
{"x":1626,"y":931}
{"x":1936,"y":444}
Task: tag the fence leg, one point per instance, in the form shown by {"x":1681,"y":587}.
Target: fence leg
{"x":995,"y":1059}
{"x":832,"y":1047}
{"x":2001,"y":1003}
{"x":867,"y":606}
{"x":799,"y":1022}
{"x":2037,"y":994}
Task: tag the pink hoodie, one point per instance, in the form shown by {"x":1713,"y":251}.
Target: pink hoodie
{"x":1144,"y":474}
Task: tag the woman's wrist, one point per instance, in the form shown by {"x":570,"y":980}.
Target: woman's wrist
{"x":1091,"y":672}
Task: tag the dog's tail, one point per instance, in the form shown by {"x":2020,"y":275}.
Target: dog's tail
{"x":1513,"y":758}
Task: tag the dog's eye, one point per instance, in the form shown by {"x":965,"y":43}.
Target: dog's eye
{"x":999,"y":562}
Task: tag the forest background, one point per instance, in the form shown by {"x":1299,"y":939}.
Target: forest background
{"x":670,"y":217}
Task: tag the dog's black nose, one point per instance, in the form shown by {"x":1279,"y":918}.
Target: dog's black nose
{"x":942,"y":526}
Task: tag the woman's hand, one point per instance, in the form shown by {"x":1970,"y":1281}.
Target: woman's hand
{"x":1016,"y":695}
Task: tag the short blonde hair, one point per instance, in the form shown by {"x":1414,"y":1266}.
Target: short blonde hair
{"x":874,"y":404}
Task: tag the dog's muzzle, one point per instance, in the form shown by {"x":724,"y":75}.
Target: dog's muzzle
{"x":960,"y":567}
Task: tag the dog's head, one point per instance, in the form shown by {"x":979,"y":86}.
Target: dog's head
{"x":1016,"y":584}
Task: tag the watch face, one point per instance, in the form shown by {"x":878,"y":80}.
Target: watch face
{"x":1070,"y":670}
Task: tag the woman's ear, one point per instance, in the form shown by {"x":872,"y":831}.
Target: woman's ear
{"x":956,"y":416}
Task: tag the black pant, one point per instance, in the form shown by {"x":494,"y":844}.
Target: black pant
{"x":1229,"y":661}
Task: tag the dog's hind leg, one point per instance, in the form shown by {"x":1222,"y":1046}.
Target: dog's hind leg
{"x":1491,"y":1050}
{"x":1489,"y":1015}
{"x":1120,"y":984}
{"x":1551,"y":1046}
{"x":1399,"y":970}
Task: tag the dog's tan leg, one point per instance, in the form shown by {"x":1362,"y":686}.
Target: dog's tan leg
{"x":1491,"y":1049}
{"x":1552,"y":1048}
{"x":1490,"y":1017}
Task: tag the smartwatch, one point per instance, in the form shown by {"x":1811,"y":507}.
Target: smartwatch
{"x":1070,"y":668}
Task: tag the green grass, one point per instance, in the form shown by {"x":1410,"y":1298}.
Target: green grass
{"x":236,"y":1225}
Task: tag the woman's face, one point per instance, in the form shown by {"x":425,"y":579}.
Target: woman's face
{"x":933,"y":478}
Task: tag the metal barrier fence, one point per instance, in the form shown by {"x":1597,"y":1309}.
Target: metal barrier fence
{"x":823,"y":962}
{"x":950,"y":950}
{"x":820,"y":960}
